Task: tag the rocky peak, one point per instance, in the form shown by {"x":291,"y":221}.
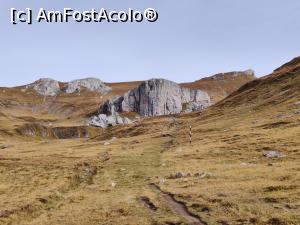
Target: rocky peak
{"x":46,"y":87}
{"x":290,"y":65}
{"x":233,"y":75}
{"x":155,"y":97}
{"x":50,"y":87}
{"x":92,"y":84}
{"x":249,"y":72}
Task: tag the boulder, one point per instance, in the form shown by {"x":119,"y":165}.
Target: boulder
{"x":297,"y":103}
{"x":273,"y":154}
{"x":46,"y":87}
{"x":178,"y":175}
{"x":203,"y":174}
{"x":104,"y":121}
{"x":91,"y":84}
{"x":297,"y":111}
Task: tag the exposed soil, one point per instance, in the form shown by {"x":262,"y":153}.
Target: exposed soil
{"x":147,"y":202}
{"x":36,"y":129}
{"x":178,"y":207}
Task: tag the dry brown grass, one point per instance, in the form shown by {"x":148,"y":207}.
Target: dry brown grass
{"x":245,"y":187}
{"x":220,"y":86}
{"x":85,"y":181}
{"x":54,"y":181}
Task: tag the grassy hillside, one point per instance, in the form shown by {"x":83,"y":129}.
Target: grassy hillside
{"x":221,"y":85}
{"x":149,"y":173}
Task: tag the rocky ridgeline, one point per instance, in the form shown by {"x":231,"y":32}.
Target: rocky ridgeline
{"x":220,"y":76}
{"x":92,"y":84}
{"x":46,"y":87}
{"x":154,"y":97}
{"x":104,"y":121}
{"x":49,"y":87}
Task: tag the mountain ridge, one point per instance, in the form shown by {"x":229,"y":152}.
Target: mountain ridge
{"x":236,"y":162}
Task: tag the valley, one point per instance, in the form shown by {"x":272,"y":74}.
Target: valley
{"x":242,"y":167}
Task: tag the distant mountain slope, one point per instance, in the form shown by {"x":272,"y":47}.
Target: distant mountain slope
{"x":280,"y":88}
{"x":49,"y":100}
{"x":221,"y":85}
{"x":48,"y":96}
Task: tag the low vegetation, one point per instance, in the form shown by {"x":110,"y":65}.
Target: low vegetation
{"x":223,"y":177}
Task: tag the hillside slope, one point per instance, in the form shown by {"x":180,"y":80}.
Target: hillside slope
{"x":221,"y":85}
{"x":248,"y":150}
{"x":277,"y":91}
{"x":242,"y":166}
{"x":61,"y":107}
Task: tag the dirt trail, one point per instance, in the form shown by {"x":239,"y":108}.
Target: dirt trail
{"x":178,"y":207}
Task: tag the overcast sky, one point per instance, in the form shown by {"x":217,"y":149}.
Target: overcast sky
{"x":190,"y":40}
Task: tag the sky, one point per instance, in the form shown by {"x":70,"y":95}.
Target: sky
{"x":191,"y":39}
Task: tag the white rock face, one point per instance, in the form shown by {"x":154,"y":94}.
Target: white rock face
{"x":46,"y":87}
{"x":49,"y":87}
{"x":105,"y":121}
{"x":91,"y":84}
{"x":249,"y":72}
{"x":194,"y":106}
{"x":156,"y":97}
{"x":273,"y":154}
{"x":192,"y":95}
{"x":220,"y":76}
{"x":153,"y":98}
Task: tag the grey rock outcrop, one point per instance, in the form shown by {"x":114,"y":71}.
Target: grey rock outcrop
{"x":203,"y":174}
{"x":178,"y":175}
{"x":194,"y":106}
{"x":105,"y":121}
{"x":297,"y":111}
{"x":297,"y":103}
{"x":249,"y":72}
{"x":92,"y":84}
{"x":46,"y":87}
{"x":220,"y":76}
{"x":49,"y":87}
{"x":155,"y":97}
{"x":273,"y":154}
